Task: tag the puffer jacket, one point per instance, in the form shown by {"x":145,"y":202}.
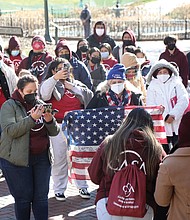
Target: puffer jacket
{"x":159,"y":93}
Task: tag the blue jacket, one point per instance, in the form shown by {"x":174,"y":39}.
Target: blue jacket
{"x":81,"y":72}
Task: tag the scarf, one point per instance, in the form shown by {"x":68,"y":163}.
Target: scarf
{"x":114,"y":100}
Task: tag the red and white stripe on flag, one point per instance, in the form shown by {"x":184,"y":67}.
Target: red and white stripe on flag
{"x":81,"y":156}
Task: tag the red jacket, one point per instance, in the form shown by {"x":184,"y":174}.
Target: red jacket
{"x":99,"y":175}
{"x":181,"y":60}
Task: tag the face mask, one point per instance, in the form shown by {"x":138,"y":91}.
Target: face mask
{"x":171,"y":46}
{"x":128,"y":42}
{"x":15,"y":53}
{"x":83,"y":49}
{"x":30,"y":98}
{"x":163,"y":78}
{"x":141,"y":60}
{"x":104,"y":55}
{"x":65,"y":56}
{"x":99,"y":31}
{"x":95,"y":60}
{"x":117,"y":88}
{"x":38,"y":45}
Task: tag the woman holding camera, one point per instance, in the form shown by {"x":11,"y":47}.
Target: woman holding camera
{"x":24,"y":149}
{"x":66,"y":94}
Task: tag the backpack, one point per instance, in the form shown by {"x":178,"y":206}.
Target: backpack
{"x":127,"y":196}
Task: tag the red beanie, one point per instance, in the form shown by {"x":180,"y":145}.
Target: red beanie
{"x":62,"y":44}
{"x":13,"y":43}
{"x":39,"y":38}
{"x":184,"y":127}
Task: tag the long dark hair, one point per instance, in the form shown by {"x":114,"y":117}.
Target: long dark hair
{"x":54,"y":64}
{"x":138,"y":119}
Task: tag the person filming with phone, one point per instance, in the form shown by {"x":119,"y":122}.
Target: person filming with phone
{"x":24,"y":149}
{"x":66,"y":94}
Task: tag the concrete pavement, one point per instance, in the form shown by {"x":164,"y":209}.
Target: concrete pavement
{"x":73,"y":208}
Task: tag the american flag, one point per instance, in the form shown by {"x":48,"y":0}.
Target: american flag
{"x":86,"y":129}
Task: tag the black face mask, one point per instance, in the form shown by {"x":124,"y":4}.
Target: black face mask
{"x":128,"y":42}
{"x":171,"y":46}
{"x":30,"y":98}
{"x":95,"y":60}
{"x":83,"y":48}
{"x":65,"y":56}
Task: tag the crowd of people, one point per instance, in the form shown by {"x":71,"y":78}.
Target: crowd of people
{"x":100,"y":73}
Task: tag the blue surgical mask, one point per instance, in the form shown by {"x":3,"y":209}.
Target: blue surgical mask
{"x":15,"y":53}
{"x":104,"y":55}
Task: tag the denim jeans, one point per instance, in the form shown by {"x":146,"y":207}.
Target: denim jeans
{"x":29,"y":186}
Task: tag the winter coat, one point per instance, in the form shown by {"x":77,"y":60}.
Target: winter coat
{"x":164,"y":94}
{"x":181,"y":60}
{"x":172,"y":185}
{"x":100,"y":100}
{"x":93,"y":42}
{"x":118,"y":52}
{"x":15,"y":136}
{"x":100,"y":176}
{"x":98,"y":75}
{"x":10,"y":77}
{"x":81,"y":72}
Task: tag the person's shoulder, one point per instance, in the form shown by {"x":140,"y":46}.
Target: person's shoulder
{"x":48,"y":56}
{"x":107,"y":36}
{"x":180,"y":152}
{"x":9,"y":102}
{"x":91,"y":37}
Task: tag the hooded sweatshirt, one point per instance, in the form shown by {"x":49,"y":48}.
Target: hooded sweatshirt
{"x":119,"y":49}
{"x":80,"y":70}
{"x":36,"y":62}
{"x":95,"y":41}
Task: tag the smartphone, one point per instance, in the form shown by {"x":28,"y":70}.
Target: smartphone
{"x":47,"y":107}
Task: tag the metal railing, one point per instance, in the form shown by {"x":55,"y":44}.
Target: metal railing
{"x":72,"y":28}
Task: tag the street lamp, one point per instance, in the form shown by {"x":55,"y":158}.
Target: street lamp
{"x":47,"y":36}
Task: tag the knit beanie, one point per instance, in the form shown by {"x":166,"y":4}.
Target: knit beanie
{"x":13,"y":43}
{"x":117,"y":72}
{"x":184,"y":137}
{"x":39,"y":38}
{"x":62,"y":44}
{"x":129,"y":60}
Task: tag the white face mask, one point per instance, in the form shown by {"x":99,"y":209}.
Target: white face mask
{"x":99,"y":31}
{"x":15,"y":53}
{"x":141,"y":60}
{"x":117,"y":88}
{"x":104,"y":55}
{"x":163,"y":77}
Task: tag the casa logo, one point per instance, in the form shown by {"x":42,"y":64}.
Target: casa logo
{"x":128,"y":189}
{"x":137,"y":160}
{"x":37,"y":68}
